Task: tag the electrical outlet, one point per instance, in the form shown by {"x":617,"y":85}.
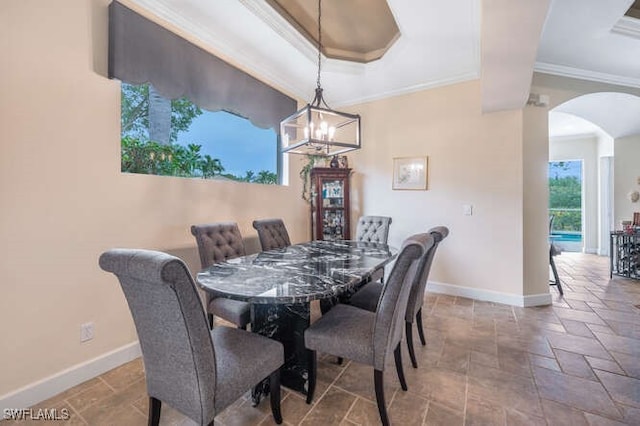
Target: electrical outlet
{"x":86,"y":331}
{"x":467,"y":209}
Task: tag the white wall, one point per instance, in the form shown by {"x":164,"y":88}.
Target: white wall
{"x":474,"y":158}
{"x":626,"y":175}
{"x":535,"y":200}
{"x":64,"y":200}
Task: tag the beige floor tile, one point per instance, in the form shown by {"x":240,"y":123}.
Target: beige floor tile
{"x":579,"y":345}
{"x":514,"y":361}
{"x":365,"y":412}
{"x":443,"y":386}
{"x":439,"y":415}
{"x":577,"y":328}
{"x":603,"y":364}
{"x":123,"y":376}
{"x":517,"y":418}
{"x":331,"y":409}
{"x":543,"y":361}
{"x":561,"y":415}
{"x":88,"y":397}
{"x":407,"y":409}
{"x":576,"y":392}
{"x":625,"y":390}
{"x":480,"y":412}
{"x":504,"y":389}
{"x":622,"y":344}
{"x":595,"y":420}
{"x":574,"y":364}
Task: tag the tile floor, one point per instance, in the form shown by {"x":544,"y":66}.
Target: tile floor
{"x":574,"y":363}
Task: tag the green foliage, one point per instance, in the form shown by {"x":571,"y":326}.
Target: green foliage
{"x":305,"y":172}
{"x":152,"y":158}
{"x":264,"y":176}
{"x":565,"y":195}
{"x":134,"y":119}
{"x":565,"y":192}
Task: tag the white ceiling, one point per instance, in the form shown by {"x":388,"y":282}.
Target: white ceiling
{"x":562,"y":125}
{"x":441,"y":42}
{"x":618,"y":114}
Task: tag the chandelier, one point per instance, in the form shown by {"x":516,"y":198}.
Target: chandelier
{"x":316,"y":129}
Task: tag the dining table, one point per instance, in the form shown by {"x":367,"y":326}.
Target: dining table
{"x":280,"y":284}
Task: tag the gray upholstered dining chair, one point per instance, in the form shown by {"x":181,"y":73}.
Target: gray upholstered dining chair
{"x":272,"y":233}
{"x":218,"y":242}
{"x":370,"y":337}
{"x":369,"y":297}
{"x":195,"y":370}
{"x":374,"y":229}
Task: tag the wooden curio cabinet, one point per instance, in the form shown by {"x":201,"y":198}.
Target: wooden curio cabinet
{"x":330,"y":208}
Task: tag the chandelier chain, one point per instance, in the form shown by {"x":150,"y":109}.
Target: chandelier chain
{"x":319,"y":41}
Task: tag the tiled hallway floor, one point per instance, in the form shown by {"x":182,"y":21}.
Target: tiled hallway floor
{"x":574,"y":363}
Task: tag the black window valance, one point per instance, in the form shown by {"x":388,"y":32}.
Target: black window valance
{"x":141,"y":51}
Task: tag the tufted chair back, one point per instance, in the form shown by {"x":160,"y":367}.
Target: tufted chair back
{"x":272,"y":233}
{"x":218,"y":242}
{"x":373,"y":229}
{"x":178,"y":353}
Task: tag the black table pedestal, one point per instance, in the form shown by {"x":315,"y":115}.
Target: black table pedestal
{"x":285,"y":323}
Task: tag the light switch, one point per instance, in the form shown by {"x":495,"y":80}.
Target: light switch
{"x":467,"y":209}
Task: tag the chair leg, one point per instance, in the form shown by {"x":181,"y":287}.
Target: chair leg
{"x":210,"y":318}
{"x":555,"y":274}
{"x":313,"y":370}
{"x":397,"y":354}
{"x":379,"y":385}
{"x":409,"y":336}
{"x":154,"y":411}
{"x":274,"y":390}
{"x":420,"y":330}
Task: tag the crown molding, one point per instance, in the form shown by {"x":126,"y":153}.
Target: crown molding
{"x":461,"y":78}
{"x":582,"y":74}
{"x":282,"y":27}
{"x":627,"y":26}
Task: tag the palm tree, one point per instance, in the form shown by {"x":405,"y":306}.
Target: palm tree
{"x":159,"y":117}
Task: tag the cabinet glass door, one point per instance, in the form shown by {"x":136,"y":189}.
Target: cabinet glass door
{"x":333,"y":219}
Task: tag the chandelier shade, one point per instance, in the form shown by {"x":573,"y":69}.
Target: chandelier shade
{"x":316,"y":129}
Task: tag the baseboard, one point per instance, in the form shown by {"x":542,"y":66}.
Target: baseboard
{"x":489,"y":295}
{"x":44,"y":389}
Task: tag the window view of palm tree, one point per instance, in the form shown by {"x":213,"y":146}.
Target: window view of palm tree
{"x":565,"y":199}
{"x":177,"y":138}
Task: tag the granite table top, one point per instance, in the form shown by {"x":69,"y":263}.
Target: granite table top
{"x":298,"y":273}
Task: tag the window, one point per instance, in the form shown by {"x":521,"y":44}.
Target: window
{"x":167,"y":135}
{"x":177,"y":138}
{"x":565,"y":203}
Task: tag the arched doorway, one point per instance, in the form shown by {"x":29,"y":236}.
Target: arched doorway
{"x":601,"y":130}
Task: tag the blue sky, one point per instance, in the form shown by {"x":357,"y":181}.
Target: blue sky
{"x":573,"y":168}
{"x":238,"y":144}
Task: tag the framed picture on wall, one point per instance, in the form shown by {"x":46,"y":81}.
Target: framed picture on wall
{"x":410,"y":173}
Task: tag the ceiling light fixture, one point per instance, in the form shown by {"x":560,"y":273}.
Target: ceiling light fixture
{"x":316,"y":129}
